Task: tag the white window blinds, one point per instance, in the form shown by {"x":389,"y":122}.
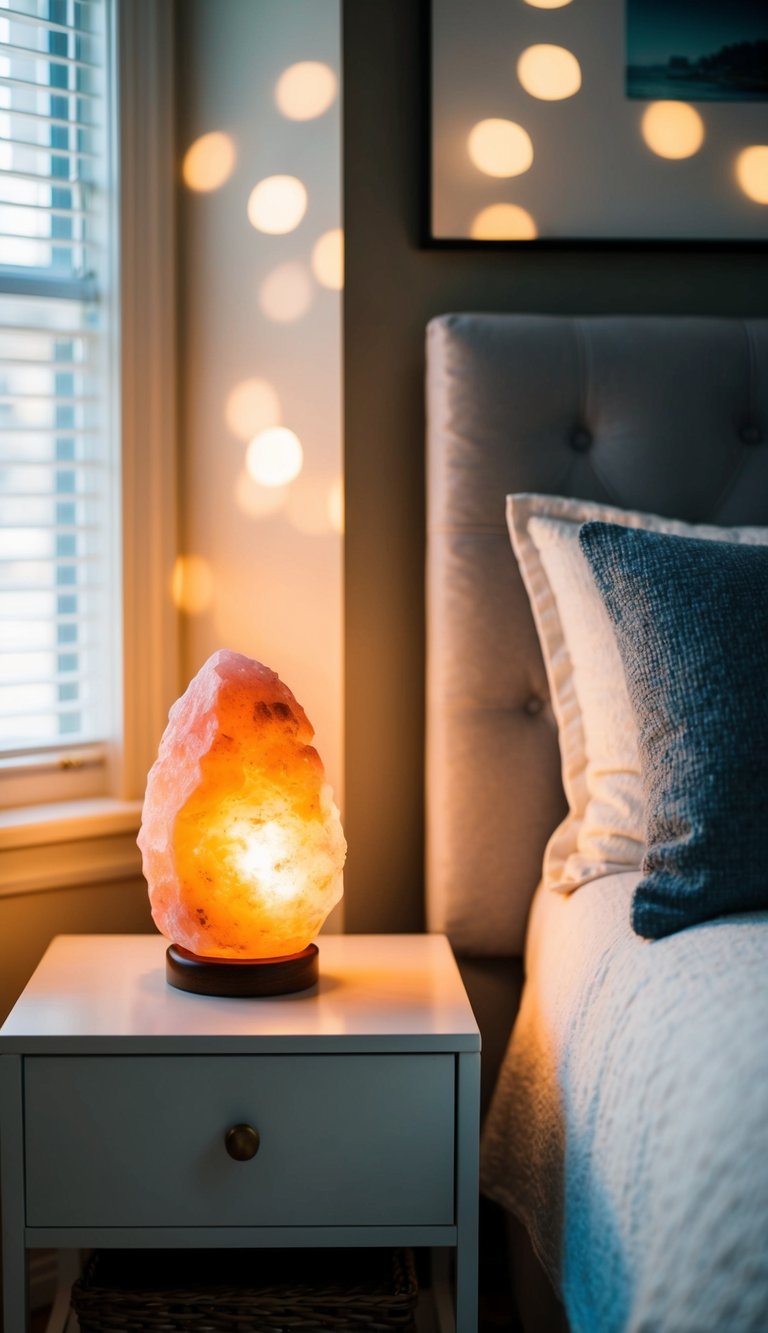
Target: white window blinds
{"x":57,"y":474}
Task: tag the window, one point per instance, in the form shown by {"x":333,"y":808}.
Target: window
{"x":87,"y":423}
{"x":57,"y":460}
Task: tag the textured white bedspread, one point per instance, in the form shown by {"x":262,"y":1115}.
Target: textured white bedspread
{"x":629,"y":1129}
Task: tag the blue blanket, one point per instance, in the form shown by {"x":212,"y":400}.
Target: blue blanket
{"x":629,"y":1128}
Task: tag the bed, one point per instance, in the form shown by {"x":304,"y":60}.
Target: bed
{"x":626,"y":1112}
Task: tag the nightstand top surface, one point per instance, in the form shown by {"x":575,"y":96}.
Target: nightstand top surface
{"x":107,"y":993}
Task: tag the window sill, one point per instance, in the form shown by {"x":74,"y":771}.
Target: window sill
{"x":76,"y":843}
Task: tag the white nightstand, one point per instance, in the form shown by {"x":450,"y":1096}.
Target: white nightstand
{"x":118,"y":1092}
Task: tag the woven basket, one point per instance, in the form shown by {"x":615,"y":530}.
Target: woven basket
{"x":246,"y":1291}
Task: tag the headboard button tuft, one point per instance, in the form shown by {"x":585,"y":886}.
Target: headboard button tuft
{"x":580,"y":439}
{"x":750,"y":434}
{"x":533,"y":706}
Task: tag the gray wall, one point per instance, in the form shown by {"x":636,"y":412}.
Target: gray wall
{"x":393,"y":287}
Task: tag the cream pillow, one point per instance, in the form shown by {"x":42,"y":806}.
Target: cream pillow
{"x":604,"y":830}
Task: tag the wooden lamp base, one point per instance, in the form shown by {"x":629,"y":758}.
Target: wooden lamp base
{"x":247,"y":977}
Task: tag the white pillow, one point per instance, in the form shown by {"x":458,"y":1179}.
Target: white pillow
{"x":604,"y":830}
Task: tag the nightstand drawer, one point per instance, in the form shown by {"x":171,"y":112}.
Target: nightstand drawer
{"x":139,"y":1140}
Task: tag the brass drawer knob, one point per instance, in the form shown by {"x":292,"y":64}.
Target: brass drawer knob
{"x":242,"y":1142}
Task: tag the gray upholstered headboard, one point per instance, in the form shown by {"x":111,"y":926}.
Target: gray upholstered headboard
{"x":667,"y":415}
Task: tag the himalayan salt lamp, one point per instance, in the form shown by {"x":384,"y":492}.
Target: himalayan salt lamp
{"x":241,"y":842}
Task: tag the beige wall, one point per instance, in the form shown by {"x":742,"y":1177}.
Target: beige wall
{"x":276,"y":589}
{"x":29,"y":921}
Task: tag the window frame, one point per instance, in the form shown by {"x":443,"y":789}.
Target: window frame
{"x":63,"y":767}
{"x":142,"y":397}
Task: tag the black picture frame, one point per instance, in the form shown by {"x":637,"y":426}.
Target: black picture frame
{"x":432,"y":12}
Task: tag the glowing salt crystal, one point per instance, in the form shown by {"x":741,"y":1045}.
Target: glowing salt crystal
{"x":242,"y":844}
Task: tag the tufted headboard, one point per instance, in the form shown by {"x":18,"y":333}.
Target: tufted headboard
{"x":662,"y":414}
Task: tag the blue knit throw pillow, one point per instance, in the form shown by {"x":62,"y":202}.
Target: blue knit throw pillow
{"x":691,"y":622}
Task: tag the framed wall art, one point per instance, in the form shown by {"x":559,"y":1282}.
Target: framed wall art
{"x":602,"y":121}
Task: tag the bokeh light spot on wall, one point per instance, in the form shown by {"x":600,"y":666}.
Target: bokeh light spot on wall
{"x":209,"y":161}
{"x":192,"y":584}
{"x":547,"y":4}
{"x":286,"y":293}
{"x":672,"y":129}
{"x":500,"y":147}
{"x":335,"y":505}
{"x":305,"y":90}
{"x":503,"y":222}
{"x":307,"y":508}
{"x":275,"y":456}
{"x":328,"y":259}
{"x":549,"y":72}
{"x":752,"y":172}
{"x":277,"y":204}
{"x":255,"y":500}
{"x":251,"y":406}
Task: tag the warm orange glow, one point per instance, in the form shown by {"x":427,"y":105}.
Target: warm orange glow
{"x":307,"y":507}
{"x":274,"y":457}
{"x":242,"y":844}
{"x":328,"y":259}
{"x":335,"y":503}
{"x":277,"y":204}
{"x":305,"y":90}
{"x":500,"y":147}
{"x":251,"y":406}
{"x":208,"y":162}
{"x":752,"y":172}
{"x":547,"y":4}
{"x":255,"y":500}
{"x":672,"y":129}
{"x":192,"y":584}
{"x":549,"y":72}
{"x":503,"y":222}
{"x":286,"y":293}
